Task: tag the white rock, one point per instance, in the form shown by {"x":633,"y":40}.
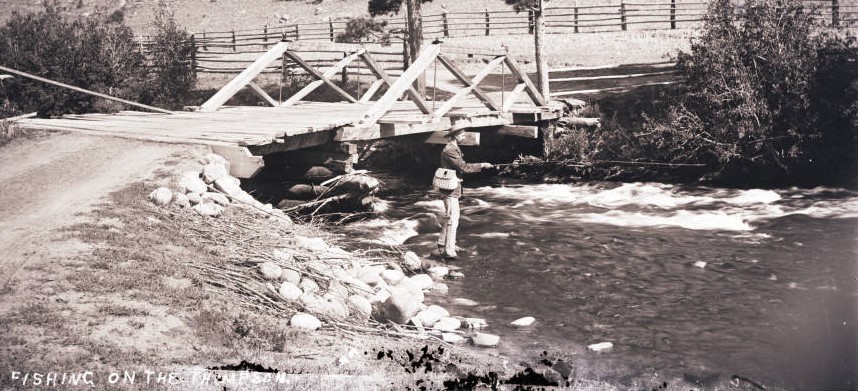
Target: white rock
{"x":213,"y":172}
{"x":228,"y":186}
{"x":438,"y":272}
{"x":217,"y":198}
{"x":208,"y":209}
{"x":452,"y":338}
{"x":447,"y":324}
{"x":475,"y":323}
{"x":423,"y":281}
{"x":290,"y":291}
{"x":523,"y":322}
{"x":432,"y":314}
{"x":360,"y":305}
{"x":700,"y":264}
{"x":455,"y":274}
{"x":308,"y":285}
{"x":215,"y":158}
{"x":439,"y":288}
{"x":282,"y":255}
{"x":181,"y":200}
{"x":192,"y":184}
{"x":312,"y":244}
{"x":465,"y":302}
{"x":370,"y":274}
{"x":337,"y":305}
{"x":161,"y":196}
{"x":194,"y":198}
{"x":291,"y":276}
{"x":380,"y":296}
{"x":305,"y":321}
{"x":401,"y":306}
{"x":601,"y":346}
{"x":315,"y":304}
{"x":270,"y":270}
{"x":392,"y":277}
{"x":411,"y":287}
{"x":486,"y":340}
{"x":412,"y":261}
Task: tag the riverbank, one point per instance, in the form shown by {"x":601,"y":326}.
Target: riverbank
{"x":102,"y":280}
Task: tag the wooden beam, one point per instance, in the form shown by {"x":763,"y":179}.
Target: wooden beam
{"x":309,"y":68}
{"x":489,"y":102}
{"x":523,"y":78}
{"x":242,"y":164}
{"x":2,"y":77}
{"x":513,"y":96}
{"x":246,"y":76}
{"x":331,"y":71}
{"x":471,"y":138}
{"x":482,"y":121}
{"x":379,"y":72}
{"x":353,"y":133}
{"x":469,"y":87}
{"x":519,"y":131}
{"x":262,"y":94}
{"x":402,"y":84}
{"x":370,"y":92}
{"x":291,"y":143}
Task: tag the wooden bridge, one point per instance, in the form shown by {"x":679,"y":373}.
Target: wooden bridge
{"x":246,"y":133}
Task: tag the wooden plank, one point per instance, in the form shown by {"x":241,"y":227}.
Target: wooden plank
{"x":488,"y":101}
{"x":402,"y":84}
{"x":479,"y":122}
{"x":379,"y":72}
{"x":469,"y":87}
{"x":370,"y":92}
{"x":242,"y":164}
{"x":331,"y":71}
{"x":438,"y":137}
{"x":246,"y":76}
{"x":523,"y":78}
{"x":519,"y":131}
{"x":262,"y":94}
{"x":309,"y":68}
{"x":513,"y":96}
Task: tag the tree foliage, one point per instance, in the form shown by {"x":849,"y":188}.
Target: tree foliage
{"x":97,"y":53}
{"x":364,"y":29}
{"x":386,"y":7}
{"x":769,"y":95}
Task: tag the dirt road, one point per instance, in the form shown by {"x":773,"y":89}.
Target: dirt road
{"x":50,"y":181}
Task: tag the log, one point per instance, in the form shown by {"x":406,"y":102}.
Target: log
{"x":580,"y":121}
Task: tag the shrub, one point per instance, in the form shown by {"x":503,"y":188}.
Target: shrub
{"x":170,"y":55}
{"x":769,"y":96}
{"x":364,"y":29}
{"x":86,"y":53}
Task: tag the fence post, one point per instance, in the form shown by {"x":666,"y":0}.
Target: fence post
{"x":445,"y":24}
{"x":297,"y":34}
{"x":331,"y":27}
{"x":530,"y":21}
{"x":194,"y":53}
{"x":204,"y":41}
{"x":345,"y":72}
{"x":623,"y":16}
{"x":233,"y":39}
{"x":265,"y":37}
{"x":835,"y":13}
{"x":488,"y":23}
{"x":673,"y":14}
{"x":575,"y":15}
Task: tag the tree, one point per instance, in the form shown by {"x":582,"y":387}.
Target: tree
{"x":538,"y":8}
{"x":769,"y":95}
{"x":414,"y":33}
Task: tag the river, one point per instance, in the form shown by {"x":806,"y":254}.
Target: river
{"x":687,"y":282}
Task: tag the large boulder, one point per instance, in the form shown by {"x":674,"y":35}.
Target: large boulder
{"x":400,"y":306}
{"x":438,"y":272}
{"x":431,"y":315}
{"x":447,"y":324}
{"x":291,"y":276}
{"x":485,"y":340}
{"x":305,"y":321}
{"x":412,"y":261}
{"x":308,"y":285}
{"x":230,"y":187}
{"x":360,"y":305}
{"x":392,"y":277}
{"x":214,"y":171}
{"x":181,"y":200}
{"x":370,"y":274}
{"x":217,"y":198}
{"x":423,"y":281}
{"x":523,"y":322}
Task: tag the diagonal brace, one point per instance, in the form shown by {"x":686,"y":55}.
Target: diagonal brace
{"x":331,"y":71}
{"x":489,"y":102}
{"x":469,"y":87}
{"x":309,"y":68}
{"x":381,"y":74}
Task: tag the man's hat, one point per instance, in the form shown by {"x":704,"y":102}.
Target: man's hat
{"x":454,"y":131}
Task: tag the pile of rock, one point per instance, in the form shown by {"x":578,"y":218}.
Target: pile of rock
{"x":210,"y":190}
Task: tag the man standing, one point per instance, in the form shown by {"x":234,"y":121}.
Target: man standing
{"x":452,"y":158}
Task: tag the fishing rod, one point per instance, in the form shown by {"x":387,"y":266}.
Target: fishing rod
{"x":592,"y":162}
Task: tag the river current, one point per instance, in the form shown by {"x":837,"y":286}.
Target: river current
{"x":691,"y":283}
